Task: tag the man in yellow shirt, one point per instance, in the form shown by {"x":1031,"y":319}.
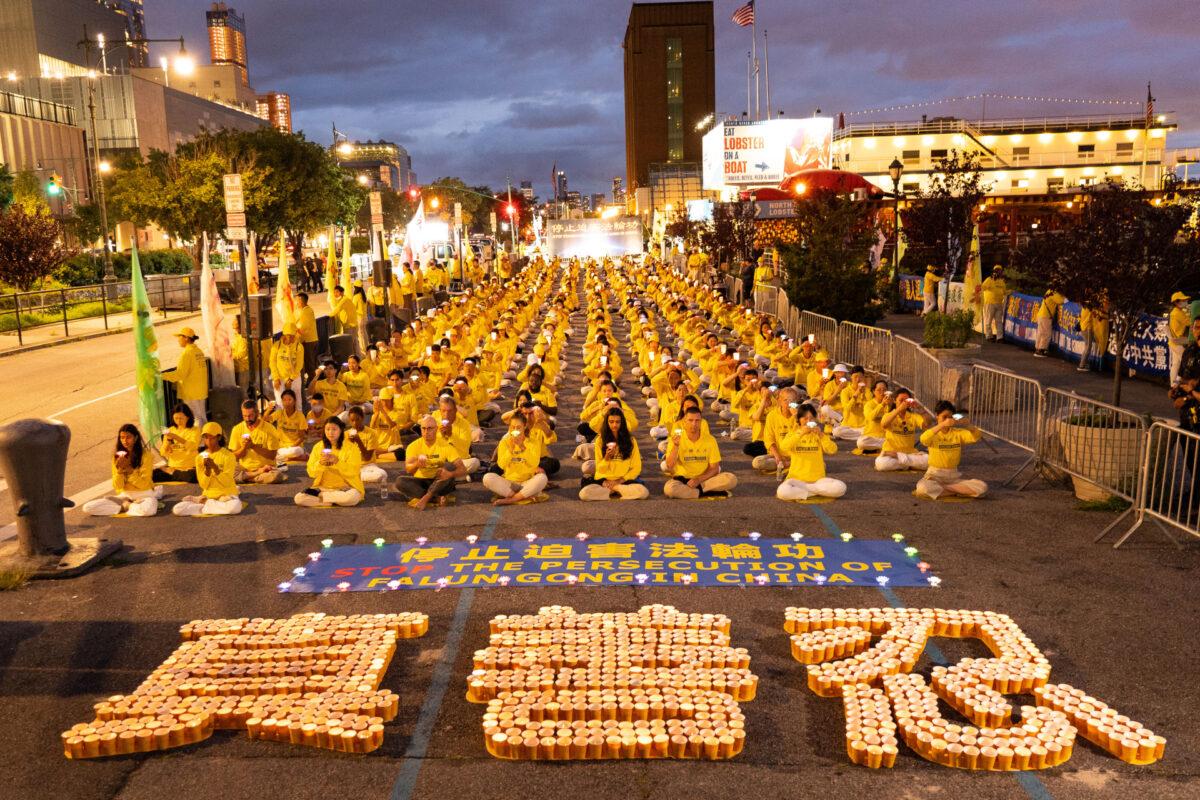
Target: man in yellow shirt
{"x":900,"y":425}
{"x":518,"y":457}
{"x":215,"y":469}
{"x":341,"y":308}
{"x":292,"y":426}
{"x":191,"y":375}
{"x":255,"y":446}
{"x":694,"y":461}
{"x":287,"y":361}
{"x":932,"y":278}
{"x":1177,"y":333}
{"x":994,"y":290}
{"x":806,"y":447}
{"x":306,"y":327}
{"x":1047,"y":312}
{"x":945,"y":441}
{"x":432,"y":464}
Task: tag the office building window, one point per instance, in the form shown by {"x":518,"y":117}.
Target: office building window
{"x":1020,"y":154}
{"x":1124,"y":149}
{"x":674,"y":99}
{"x":910,"y":157}
{"x":1055,"y":184}
{"x":935,"y":155}
{"x":1087,"y":151}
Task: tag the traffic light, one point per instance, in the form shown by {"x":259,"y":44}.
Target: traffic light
{"x":413,"y":193}
{"x":510,"y":209}
{"x":54,"y":186}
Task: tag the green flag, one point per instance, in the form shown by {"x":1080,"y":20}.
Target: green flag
{"x":149,"y":374}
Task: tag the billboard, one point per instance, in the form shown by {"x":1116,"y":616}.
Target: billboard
{"x":765,"y":153}
{"x":568,"y":238}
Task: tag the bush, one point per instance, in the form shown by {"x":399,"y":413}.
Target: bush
{"x":949,"y":330}
{"x":359,"y":244}
{"x":87,"y":270}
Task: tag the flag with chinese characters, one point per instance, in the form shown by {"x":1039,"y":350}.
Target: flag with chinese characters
{"x":284,"y":300}
{"x":148,"y":374}
{"x":972,"y":288}
{"x":331,"y":260}
{"x":212,"y":318}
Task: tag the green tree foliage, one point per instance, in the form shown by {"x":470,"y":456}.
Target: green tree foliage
{"x":730,"y":233}
{"x":398,"y":209}
{"x":828,"y":271}
{"x":6,"y":187}
{"x":1125,"y":253}
{"x":29,"y":193}
{"x":681,"y":226}
{"x":476,"y":209}
{"x":31,"y":246}
{"x":938,"y":225}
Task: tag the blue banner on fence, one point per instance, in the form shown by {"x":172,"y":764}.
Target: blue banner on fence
{"x":609,"y":562}
{"x":912,"y":292}
{"x":1145,"y":352}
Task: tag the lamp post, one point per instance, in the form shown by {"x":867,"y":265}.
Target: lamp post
{"x":896,"y":171}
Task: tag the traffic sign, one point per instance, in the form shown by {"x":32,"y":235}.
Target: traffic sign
{"x":493,"y":223}
{"x":234,"y":200}
{"x":236,"y":234}
{"x":377,"y":208}
{"x":235,"y":219}
{"x":458,"y":214}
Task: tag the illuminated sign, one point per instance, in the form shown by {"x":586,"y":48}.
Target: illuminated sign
{"x":567,"y":238}
{"x":765,"y":153}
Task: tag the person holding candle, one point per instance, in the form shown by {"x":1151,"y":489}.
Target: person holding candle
{"x":287,"y":361}
{"x":333,"y":391}
{"x":945,"y":441}
{"x":874,"y":409}
{"x":518,"y":475}
{"x":433,"y":465}
{"x":334,"y":466}
{"x":853,"y":398}
{"x":900,"y":424}
{"x":215,"y":469}
{"x":617,"y":463}
{"x":367,"y":442}
{"x":132,"y":478}
{"x":180,"y":445}
{"x":358,"y":386}
{"x":292,"y":426}
{"x":780,"y":421}
{"x":256,"y":446}
{"x":806,"y":446}
{"x":694,"y":461}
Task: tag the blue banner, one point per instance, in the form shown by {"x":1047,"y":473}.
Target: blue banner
{"x":912,"y":292}
{"x":652,"y":561}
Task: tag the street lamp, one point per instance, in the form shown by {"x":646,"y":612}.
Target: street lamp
{"x":363,"y":180}
{"x":345,"y":148}
{"x":895,"y":172}
{"x":435,"y":203}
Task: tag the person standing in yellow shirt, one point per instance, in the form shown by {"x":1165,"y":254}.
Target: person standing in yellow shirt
{"x":806,"y":447}
{"x":215,"y":469}
{"x":945,"y":441}
{"x":306,"y":327}
{"x":341,"y":310}
{"x":995,"y":290}
{"x":694,"y":462}
{"x":132,"y":478}
{"x":932,"y":278}
{"x":256,"y":446}
{"x":1047,"y":313}
{"x":518,"y":457}
{"x":1177,"y":334}
{"x":334,"y":467}
{"x":191,"y":375}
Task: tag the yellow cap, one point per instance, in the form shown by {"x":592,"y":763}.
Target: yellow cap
{"x":821,"y":356}
{"x":289,"y":328}
{"x":358,"y":282}
{"x":387,"y":393}
{"x":211,"y":429}
{"x":188,"y":332}
{"x":1175,"y":298}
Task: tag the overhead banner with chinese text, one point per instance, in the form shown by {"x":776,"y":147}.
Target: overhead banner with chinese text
{"x":609,"y":562}
{"x":570,"y":238}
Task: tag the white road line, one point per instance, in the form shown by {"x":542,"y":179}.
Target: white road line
{"x":86,"y":403}
{"x":79,"y":498}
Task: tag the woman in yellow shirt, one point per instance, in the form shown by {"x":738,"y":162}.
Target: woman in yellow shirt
{"x":853,"y":396}
{"x":873,"y":410}
{"x":215,"y":469}
{"x":945,"y":441}
{"x":334,"y":467}
{"x":616,"y":464}
{"x":358,"y":384}
{"x":518,"y":458}
{"x":806,"y":447}
{"x":180,"y":446}
{"x":133,"y":480}
{"x":900,"y":424}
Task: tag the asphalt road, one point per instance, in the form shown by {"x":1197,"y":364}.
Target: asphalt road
{"x":1119,"y":625}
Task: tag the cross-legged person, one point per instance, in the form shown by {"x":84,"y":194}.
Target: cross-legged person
{"x":519,"y":476}
{"x":694,"y":461}
{"x":945,"y":441}
{"x":433,"y":466}
{"x":334,"y":466}
{"x":180,"y":445}
{"x":134,"y":492}
{"x":215,"y":469}
{"x":900,"y":425}
{"x":616,"y":463}
{"x":256,"y":446}
{"x":806,"y":447}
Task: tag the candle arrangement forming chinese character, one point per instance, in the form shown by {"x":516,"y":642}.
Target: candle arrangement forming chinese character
{"x":311,"y":680}
{"x":658,"y":683}
{"x":885,"y":703}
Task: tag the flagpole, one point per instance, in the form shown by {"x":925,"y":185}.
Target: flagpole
{"x":754,"y":57}
{"x":1146,"y":136}
{"x":748,"y":62}
{"x":767,"y":71}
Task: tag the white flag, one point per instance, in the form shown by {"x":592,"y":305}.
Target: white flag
{"x":212,"y":317}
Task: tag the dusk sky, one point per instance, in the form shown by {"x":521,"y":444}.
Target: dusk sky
{"x":496,"y":89}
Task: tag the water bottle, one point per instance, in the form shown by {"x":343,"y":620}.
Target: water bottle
{"x":383,"y":491}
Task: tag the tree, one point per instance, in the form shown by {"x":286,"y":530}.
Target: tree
{"x":476,"y":209}
{"x":29,"y":193}
{"x":682,"y":227}
{"x":31,"y":247}
{"x":1126,"y":253}
{"x":6,"y":188}
{"x":398,"y":209}
{"x":940,"y":222}
{"x":829,"y":270}
{"x":730,"y":234}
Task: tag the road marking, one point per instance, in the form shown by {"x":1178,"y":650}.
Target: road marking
{"x":86,"y":403}
{"x":406,"y":781}
{"x":79,"y":498}
{"x":1029,"y":781}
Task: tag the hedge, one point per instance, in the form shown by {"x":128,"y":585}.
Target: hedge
{"x":85,"y":270}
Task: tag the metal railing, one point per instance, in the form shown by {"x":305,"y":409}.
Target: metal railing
{"x":25,"y":311}
{"x":1170,"y":484}
{"x":823,"y":327}
{"x":1008,"y":407}
{"x":865,"y":345}
{"x":36,"y":108}
{"x":917,"y":370}
{"x":999,"y":125}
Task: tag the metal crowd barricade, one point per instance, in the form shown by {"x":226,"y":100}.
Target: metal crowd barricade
{"x":824,"y":328}
{"x":865,"y":345}
{"x":1170,"y":485}
{"x":1095,"y":443}
{"x":917,"y":370}
{"x":1008,"y":407}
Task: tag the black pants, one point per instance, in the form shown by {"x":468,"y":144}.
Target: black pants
{"x":549,"y":465}
{"x":411,"y":488}
{"x":586,"y":432}
{"x":755,"y":449}
{"x":310,"y":363}
{"x":178,"y":476}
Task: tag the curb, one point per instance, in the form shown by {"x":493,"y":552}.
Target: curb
{"x":84,"y":337}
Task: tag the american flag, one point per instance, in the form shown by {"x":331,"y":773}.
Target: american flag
{"x":744,"y":16}
{"x":1149,"y":107}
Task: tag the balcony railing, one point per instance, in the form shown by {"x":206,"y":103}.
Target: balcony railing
{"x":999,"y":126}
{"x":1065,"y":159}
{"x":36,"y":108}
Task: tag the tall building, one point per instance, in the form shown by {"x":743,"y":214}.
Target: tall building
{"x":596,"y":201}
{"x":560,"y":186}
{"x":386,"y":165}
{"x":618,"y":192}
{"x":670,"y":85}
{"x":573,"y":199}
{"x":276,"y":108}
{"x":41,"y":37}
{"x":139,"y":54}
{"x":527,"y":190}
{"x":227,"y":39}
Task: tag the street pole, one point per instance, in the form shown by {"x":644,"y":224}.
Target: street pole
{"x":512,"y":226}
{"x":110,"y":276}
{"x":387,"y":308}
{"x":251,"y":342}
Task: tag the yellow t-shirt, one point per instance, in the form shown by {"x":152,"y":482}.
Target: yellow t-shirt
{"x":306,"y":324}
{"x":335,"y":477}
{"x":182,"y":455}
{"x":994,"y":290}
{"x":370,"y":440}
{"x":931,"y":281}
{"x":358,"y":386}
{"x":263,"y":435}
{"x":292,"y":428}
{"x":873,"y":411}
{"x":901,"y":436}
{"x":439,"y":454}
{"x":190,"y":375}
{"x":519,"y":464}
{"x":222,"y":483}
{"x":1179,"y":322}
{"x":460,"y":434}
{"x":616,"y":468}
{"x":854,"y":406}
{"x":694,"y":457}
{"x":141,"y":479}
{"x":333,"y":391}
{"x":287,"y":360}
{"x":945,"y":447}
{"x":807,"y":448}
{"x":777,"y":428}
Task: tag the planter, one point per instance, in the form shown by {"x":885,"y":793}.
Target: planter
{"x":1104,"y":457}
{"x":955,"y":372}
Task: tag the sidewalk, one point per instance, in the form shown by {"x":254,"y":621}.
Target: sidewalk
{"x":82,"y":329}
{"x":1140,"y":396}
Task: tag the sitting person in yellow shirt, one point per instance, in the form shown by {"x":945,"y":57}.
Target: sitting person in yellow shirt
{"x":900,"y":425}
{"x":542,"y":395}
{"x":389,"y":423}
{"x":616,"y":464}
{"x":365,"y":439}
{"x":518,"y":474}
{"x":854,"y":397}
{"x":806,"y":447}
{"x":358,"y":386}
{"x":945,"y":441}
{"x":454,"y":428}
{"x":318,"y":415}
{"x":433,"y":465}
{"x":333,"y":391}
{"x":779,"y":422}
{"x":694,"y":462}
{"x":292,"y":427}
{"x":334,"y":466}
{"x":215,"y":468}
{"x":874,"y":408}
{"x":134,"y":492}
{"x":829,"y":409}
{"x":180,"y":446}
{"x":256,"y":445}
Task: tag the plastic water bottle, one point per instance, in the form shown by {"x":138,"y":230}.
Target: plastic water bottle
{"x":383,"y":491}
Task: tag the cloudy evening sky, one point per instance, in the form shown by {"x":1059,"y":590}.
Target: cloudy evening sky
{"x":485,"y":90}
